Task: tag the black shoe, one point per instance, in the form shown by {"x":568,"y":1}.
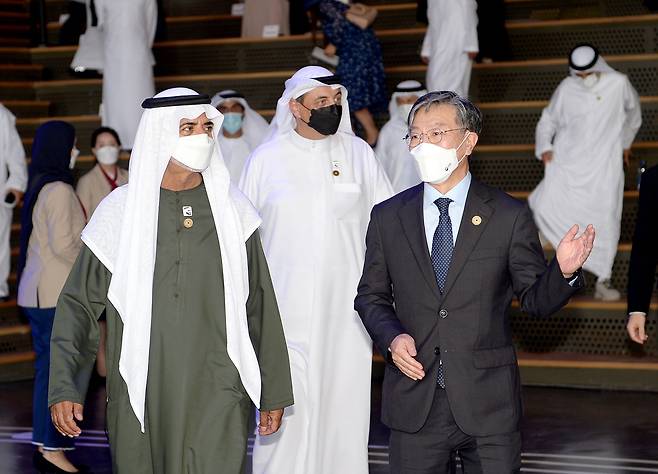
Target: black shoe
{"x":44,"y":466}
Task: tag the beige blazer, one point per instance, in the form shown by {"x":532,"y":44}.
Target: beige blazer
{"x":57,"y":220}
{"x":93,"y":187}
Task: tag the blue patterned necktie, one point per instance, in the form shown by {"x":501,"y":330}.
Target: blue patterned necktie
{"x":442,"y":244}
{"x":442,"y":247}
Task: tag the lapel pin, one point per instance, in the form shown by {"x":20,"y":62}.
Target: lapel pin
{"x":477,"y":220}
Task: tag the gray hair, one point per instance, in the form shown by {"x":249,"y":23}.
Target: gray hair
{"x":468,"y":115}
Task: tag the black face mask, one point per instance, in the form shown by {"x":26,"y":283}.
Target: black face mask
{"x":325,"y":120}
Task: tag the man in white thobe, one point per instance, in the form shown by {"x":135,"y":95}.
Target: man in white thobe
{"x":582,"y":137}
{"x":243,"y":129}
{"x":314,"y":184}
{"x":450,"y":45}
{"x":392,"y":151}
{"x":13,"y":181}
{"x":129,"y":29}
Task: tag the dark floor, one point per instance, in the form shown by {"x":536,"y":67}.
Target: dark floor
{"x":565,"y":431}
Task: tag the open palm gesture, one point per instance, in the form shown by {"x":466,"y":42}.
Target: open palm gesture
{"x":573,"y":251}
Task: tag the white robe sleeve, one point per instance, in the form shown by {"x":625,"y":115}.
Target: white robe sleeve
{"x":426,"y":50}
{"x":249,"y":180}
{"x":382,"y":188}
{"x":471,"y":44}
{"x":633,"y":115}
{"x":428,"y":40}
{"x":13,"y":155}
{"x":548,"y":125}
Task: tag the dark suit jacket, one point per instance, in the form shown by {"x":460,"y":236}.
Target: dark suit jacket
{"x":644,"y":255}
{"x":468,"y":326}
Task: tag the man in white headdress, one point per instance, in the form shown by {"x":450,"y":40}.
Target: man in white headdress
{"x":13,"y":181}
{"x":392,"y":151}
{"x":243,"y":129}
{"x":128,"y":32}
{"x":583,"y":138}
{"x":193,"y":330}
{"x":314,"y":184}
{"x":450,"y":45}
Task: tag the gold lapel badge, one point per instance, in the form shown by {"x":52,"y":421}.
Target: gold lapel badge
{"x":477,"y":220}
{"x":188,"y":223}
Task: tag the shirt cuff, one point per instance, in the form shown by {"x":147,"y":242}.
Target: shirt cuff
{"x":573,"y":280}
{"x":637,"y":313}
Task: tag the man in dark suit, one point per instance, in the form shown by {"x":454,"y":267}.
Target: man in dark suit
{"x":443,"y":261}
{"x":644,"y":257}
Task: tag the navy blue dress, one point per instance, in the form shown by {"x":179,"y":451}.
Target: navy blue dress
{"x":360,"y":68}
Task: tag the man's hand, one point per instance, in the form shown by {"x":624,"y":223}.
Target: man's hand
{"x":330,"y":50}
{"x":64,"y":415}
{"x":270,"y":422}
{"x":547,"y":157}
{"x":425,"y":59}
{"x":573,"y":251}
{"x":627,"y":158}
{"x":635,"y":327}
{"x":403,"y":350}
{"x":472,"y":55}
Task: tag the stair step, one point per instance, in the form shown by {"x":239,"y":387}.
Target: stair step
{"x":529,"y":40}
{"x":511,"y":122}
{"x":515,"y":167}
{"x":13,"y":42}
{"x":495,"y":83}
{"x":21,"y":72}
{"x":13,"y":16}
{"x":28,"y":108}
{"x":21,"y":6}
{"x":16,"y":366}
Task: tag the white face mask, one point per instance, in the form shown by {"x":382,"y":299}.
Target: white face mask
{"x":404,"y":110}
{"x":434,"y":163}
{"x":194,"y":151}
{"x":74,"y":156}
{"x":107,"y":155}
{"x":591,"y":80}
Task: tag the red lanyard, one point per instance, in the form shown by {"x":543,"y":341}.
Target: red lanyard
{"x":113,"y":182}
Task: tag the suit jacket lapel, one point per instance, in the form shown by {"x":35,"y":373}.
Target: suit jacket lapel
{"x":469,"y":231}
{"x":411,"y":217}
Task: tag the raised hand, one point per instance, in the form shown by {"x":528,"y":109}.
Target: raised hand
{"x":573,"y":251}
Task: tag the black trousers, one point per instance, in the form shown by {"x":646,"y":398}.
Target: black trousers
{"x":429,"y":450}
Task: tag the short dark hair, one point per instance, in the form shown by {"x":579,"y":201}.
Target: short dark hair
{"x":100,"y":130}
{"x":468,"y":114}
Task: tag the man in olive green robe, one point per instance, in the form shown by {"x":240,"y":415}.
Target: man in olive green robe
{"x":197,"y":392}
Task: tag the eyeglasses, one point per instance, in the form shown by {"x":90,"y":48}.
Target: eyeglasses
{"x":434,"y":136}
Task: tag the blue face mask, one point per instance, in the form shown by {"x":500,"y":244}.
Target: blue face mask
{"x":232,"y":122}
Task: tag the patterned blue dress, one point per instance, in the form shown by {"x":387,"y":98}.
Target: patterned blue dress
{"x":360,"y":67}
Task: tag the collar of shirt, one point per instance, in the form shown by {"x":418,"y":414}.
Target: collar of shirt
{"x":307,"y":144}
{"x":457,"y":194}
{"x":431,"y":213}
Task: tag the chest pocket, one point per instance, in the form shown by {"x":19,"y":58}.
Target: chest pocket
{"x":487,"y":253}
{"x":347,"y":197}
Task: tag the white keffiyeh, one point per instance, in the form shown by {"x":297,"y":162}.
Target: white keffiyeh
{"x":123,"y":235}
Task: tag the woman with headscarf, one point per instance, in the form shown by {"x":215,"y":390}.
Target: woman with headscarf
{"x":51,"y":222}
{"x":361,"y":69}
